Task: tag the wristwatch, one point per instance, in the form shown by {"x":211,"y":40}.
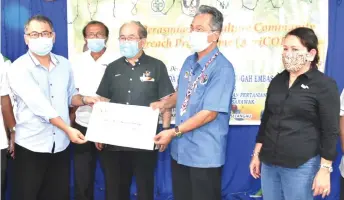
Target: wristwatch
{"x":328,"y":167}
{"x":83,"y":100}
{"x":12,"y":130}
{"x":177,"y":131}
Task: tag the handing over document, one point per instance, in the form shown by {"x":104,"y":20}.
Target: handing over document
{"x":123,"y":125}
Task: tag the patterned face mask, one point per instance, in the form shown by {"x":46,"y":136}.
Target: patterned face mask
{"x":294,"y":61}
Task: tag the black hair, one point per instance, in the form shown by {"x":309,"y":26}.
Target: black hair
{"x":39,"y":18}
{"x":308,"y":39}
{"x":94,"y":23}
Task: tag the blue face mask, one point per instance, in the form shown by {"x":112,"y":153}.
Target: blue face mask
{"x":41,"y":46}
{"x":129,"y":49}
{"x":95,"y":45}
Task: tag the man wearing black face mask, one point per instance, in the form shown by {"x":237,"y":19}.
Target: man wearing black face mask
{"x":134,"y":79}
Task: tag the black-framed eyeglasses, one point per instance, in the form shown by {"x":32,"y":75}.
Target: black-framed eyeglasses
{"x":34,"y":34}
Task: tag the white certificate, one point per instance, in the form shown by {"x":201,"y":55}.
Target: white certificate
{"x":123,"y":125}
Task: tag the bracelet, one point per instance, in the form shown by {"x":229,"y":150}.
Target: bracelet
{"x":83,"y":100}
{"x":327,"y":167}
{"x":255,"y":154}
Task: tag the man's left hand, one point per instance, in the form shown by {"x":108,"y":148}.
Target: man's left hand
{"x":91,"y":100}
{"x":164,"y":138}
{"x":11,"y":145}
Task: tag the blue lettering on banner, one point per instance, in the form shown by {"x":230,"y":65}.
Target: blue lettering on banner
{"x":255,"y":78}
{"x":263,"y":78}
{"x":245,"y":78}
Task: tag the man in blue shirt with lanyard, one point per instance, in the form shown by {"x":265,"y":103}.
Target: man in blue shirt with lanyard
{"x":203,"y":103}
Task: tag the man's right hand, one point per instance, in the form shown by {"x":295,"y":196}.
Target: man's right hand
{"x":158,"y":105}
{"x":99,"y":146}
{"x":76,"y":136}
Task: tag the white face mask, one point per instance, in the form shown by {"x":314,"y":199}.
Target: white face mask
{"x":198,"y":41}
{"x":41,"y":46}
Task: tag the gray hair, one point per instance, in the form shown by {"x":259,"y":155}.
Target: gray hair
{"x":217,"y":17}
{"x":39,"y":18}
{"x":142,"y":29}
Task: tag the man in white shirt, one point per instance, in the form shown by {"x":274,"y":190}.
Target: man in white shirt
{"x":88,"y":71}
{"x":6,"y":120}
{"x":43,"y":87}
{"x":341,"y":167}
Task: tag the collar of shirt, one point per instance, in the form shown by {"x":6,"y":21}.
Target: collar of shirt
{"x":143,"y":59}
{"x":104,"y":59}
{"x":309,"y":74}
{"x":201,"y":63}
{"x":53,"y":59}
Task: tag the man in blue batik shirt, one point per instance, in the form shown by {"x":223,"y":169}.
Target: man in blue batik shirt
{"x":203,"y":103}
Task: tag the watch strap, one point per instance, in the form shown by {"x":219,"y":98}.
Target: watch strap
{"x":328,"y":167}
{"x":12,"y":130}
{"x":177,"y":131}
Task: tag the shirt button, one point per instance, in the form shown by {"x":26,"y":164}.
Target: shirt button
{"x":132,"y":68}
{"x":51,"y":84}
{"x":130,"y":79}
{"x":54,"y":133}
{"x":52,"y":96}
{"x":127,"y":103}
{"x":129,"y":91}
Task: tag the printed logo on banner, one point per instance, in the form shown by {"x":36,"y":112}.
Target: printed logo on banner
{"x":158,"y":5}
{"x":189,"y":7}
{"x":223,"y":6}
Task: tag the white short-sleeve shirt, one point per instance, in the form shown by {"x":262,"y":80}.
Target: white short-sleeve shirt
{"x":341,"y":166}
{"x":87,"y":75}
{"x":4,"y":90}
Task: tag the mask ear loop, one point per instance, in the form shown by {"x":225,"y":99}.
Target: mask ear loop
{"x":213,"y":32}
{"x":309,"y":57}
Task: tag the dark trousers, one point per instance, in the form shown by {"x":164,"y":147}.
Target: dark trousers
{"x":341,"y":188}
{"x":120,"y":166}
{"x":190,"y":183}
{"x":3,"y":172}
{"x":85,"y":160}
{"x":40,"y":176}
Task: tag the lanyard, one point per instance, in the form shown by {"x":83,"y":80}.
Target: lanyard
{"x":192,"y":86}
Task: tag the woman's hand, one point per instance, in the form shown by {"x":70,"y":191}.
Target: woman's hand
{"x":255,"y":166}
{"x":322,"y":183}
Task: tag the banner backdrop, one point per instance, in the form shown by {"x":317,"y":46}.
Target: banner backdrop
{"x":251,"y":39}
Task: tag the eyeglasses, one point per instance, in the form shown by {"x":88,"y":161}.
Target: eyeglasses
{"x":199,"y":29}
{"x":34,"y":35}
{"x":130,"y":38}
{"x":95,"y":35}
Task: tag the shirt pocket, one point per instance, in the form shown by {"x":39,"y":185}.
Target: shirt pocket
{"x":148,"y":89}
{"x":198,"y":93}
{"x":118,"y":81}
